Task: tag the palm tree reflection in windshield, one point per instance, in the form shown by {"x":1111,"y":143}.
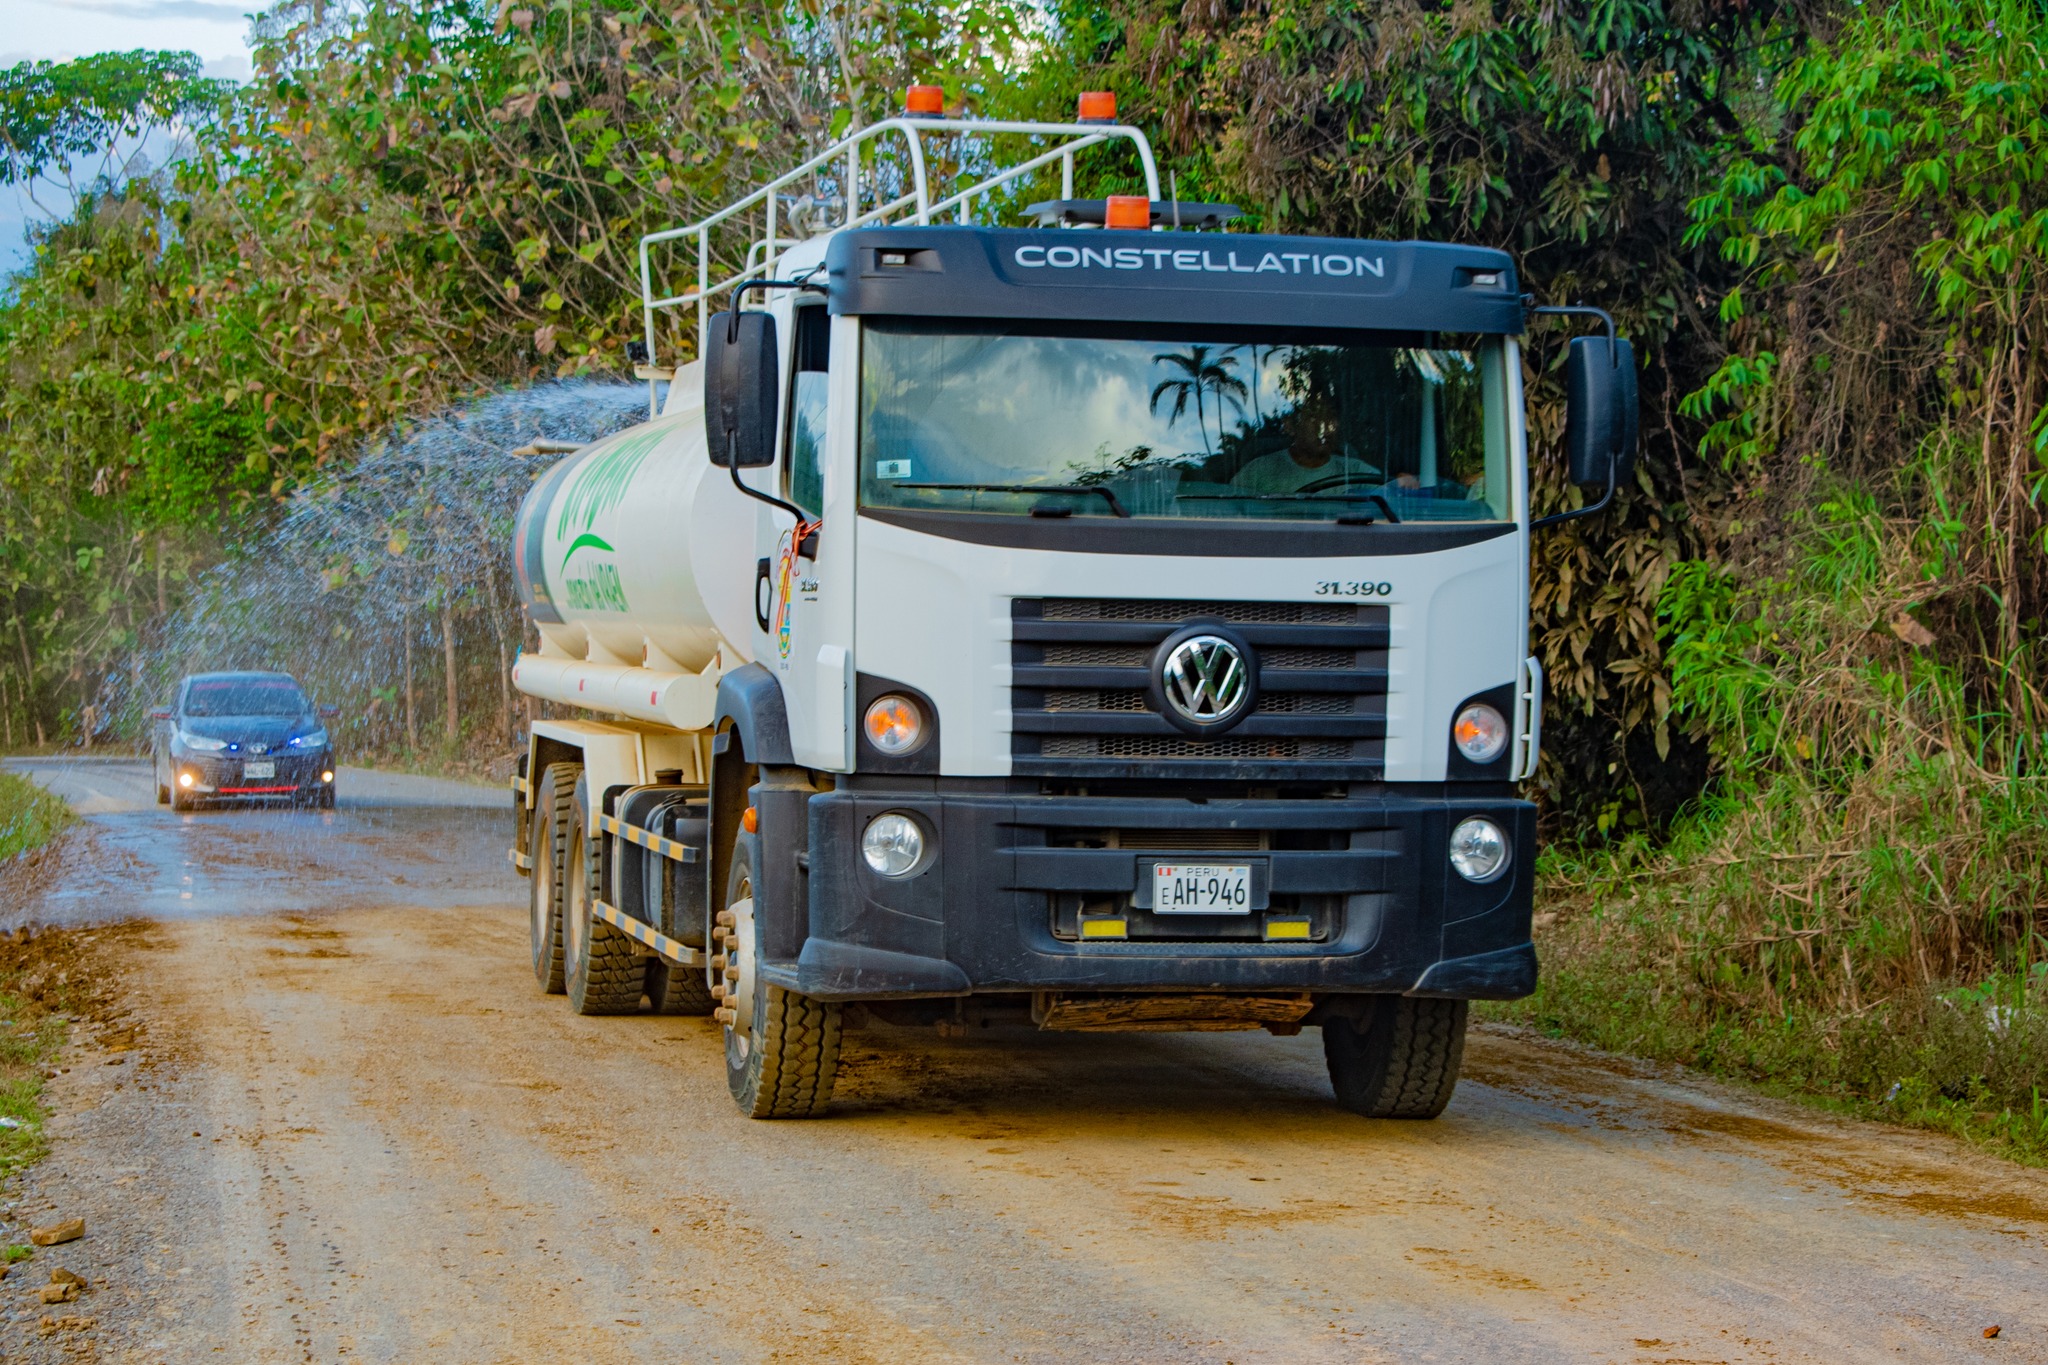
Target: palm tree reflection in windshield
{"x":1199,"y":374}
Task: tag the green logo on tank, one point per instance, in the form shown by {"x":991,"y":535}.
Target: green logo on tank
{"x":593,"y":491}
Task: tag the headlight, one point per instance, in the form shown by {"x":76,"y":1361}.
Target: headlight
{"x":201,"y":742}
{"x":1479,"y":850}
{"x":894,"y":724}
{"x":316,"y":740}
{"x":1480,"y":732}
{"x":893,"y":844}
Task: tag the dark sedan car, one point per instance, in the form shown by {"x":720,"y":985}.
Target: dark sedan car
{"x":242,"y":736}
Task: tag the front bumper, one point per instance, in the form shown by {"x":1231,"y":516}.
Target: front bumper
{"x":998,"y":906}
{"x":227,"y":774}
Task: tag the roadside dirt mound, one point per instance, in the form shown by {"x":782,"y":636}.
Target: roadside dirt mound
{"x":73,"y":972}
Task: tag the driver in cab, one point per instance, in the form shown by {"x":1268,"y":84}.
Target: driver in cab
{"x":1314,"y":456}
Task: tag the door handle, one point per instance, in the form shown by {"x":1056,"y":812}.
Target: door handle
{"x":762,"y":572}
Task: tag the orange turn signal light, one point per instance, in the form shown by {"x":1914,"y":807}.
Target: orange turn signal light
{"x":751,"y":821}
{"x":894,"y":724}
{"x":925,"y":101}
{"x":1097,"y":106}
{"x":1128,"y":211}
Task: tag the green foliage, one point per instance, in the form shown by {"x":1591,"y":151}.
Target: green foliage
{"x":29,"y":816}
{"x":1853,"y":908}
{"x":54,"y":112}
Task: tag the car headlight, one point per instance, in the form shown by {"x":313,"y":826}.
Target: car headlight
{"x":1479,"y":849}
{"x":203,"y":743}
{"x":316,"y":740}
{"x":894,"y":724}
{"x":1480,"y":732}
{"x":893,"y":844}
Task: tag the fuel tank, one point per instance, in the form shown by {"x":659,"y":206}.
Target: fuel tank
{"x":637,"y":551}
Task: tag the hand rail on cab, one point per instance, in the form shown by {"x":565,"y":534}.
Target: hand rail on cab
{"x":765,"y":253}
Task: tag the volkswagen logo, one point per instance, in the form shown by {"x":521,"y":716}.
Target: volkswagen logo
{"x":1204,"y":680}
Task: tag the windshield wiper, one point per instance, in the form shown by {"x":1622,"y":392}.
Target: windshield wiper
{"x":1385,"y":506}
{"x":1106,"y":494}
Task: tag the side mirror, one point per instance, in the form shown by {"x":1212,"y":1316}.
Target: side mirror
{"x":160,"y":713}
{"x":741,"y":374}
{"x":1600,"y":411}
{"x":328,"y":712}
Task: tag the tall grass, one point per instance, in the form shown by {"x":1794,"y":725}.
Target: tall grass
{"x":29,"y":816}
{"x":1859,"y":905}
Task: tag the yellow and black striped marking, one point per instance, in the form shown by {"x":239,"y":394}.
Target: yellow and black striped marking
{"x":679,"y":953}
{"x":633,"y":834}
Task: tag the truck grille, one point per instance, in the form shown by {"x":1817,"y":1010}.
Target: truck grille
{"x":1079,"y":705}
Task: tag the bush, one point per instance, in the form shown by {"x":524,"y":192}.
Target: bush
{"x":29,"y":816}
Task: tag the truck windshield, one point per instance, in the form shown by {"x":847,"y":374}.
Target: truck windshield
{"x":999,"y":418}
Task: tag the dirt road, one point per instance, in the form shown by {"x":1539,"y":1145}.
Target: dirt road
{"x":361,"y":1134}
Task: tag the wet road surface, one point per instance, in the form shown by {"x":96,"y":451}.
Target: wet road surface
{"x":357,"y":1132}
{"x":427,"y":841}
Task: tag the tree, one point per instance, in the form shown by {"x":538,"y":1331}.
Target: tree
{"x":54,"y":113}
{"x":1199,"y":374}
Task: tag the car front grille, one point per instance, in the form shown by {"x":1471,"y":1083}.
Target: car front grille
{"x":1080,"y":706}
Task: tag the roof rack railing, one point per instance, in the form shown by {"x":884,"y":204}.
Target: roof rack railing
{"x":914,"y":204}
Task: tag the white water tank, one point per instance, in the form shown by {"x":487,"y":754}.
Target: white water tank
{"x":636,"y":550}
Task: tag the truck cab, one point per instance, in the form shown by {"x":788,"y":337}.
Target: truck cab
{"x":1096,"y":628}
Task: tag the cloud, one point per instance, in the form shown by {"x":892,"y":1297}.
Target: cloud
{"x":215,"y":11}
{"x":234,"y":66}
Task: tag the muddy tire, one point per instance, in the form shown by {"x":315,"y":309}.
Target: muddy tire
{"x":606,"y":973}
{"x":547,"y":851}
{"x":1399,"y":1059}
{"x":783,"y":1054}
{"x":180,"y":803}
{"x":677,"y":990}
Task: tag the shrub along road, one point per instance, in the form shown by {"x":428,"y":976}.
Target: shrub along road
{"x":350,"y":1128}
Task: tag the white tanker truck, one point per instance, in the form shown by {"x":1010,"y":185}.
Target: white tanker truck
{"x":1117,"y":623}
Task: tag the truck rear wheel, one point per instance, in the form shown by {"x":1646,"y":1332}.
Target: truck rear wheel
{"x":781,"y":1048}
{"x":677,"y":990}
{"x":1399,"y":1059}
{"x":547,"y":851}
{"x":605,"y":974}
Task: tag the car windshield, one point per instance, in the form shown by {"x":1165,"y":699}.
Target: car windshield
{"x":245,"y":697}
{"x":999,"y":418}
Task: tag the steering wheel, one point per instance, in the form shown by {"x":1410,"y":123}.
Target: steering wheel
{"x":1327,"y":482}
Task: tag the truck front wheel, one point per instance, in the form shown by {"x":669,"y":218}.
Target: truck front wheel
{"x":605,"y":974}
{"x":781,"y":1048}
{"x":547,"y":851}
{"x":1398,"y":1058}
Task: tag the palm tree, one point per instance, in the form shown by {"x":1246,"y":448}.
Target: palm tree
{"x":1258,"y":369}
{"x":1199,"y":374}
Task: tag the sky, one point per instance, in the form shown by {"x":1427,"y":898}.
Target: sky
{"x":58,"y":30}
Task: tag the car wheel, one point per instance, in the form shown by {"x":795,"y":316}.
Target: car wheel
{"x":324,"y":798}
